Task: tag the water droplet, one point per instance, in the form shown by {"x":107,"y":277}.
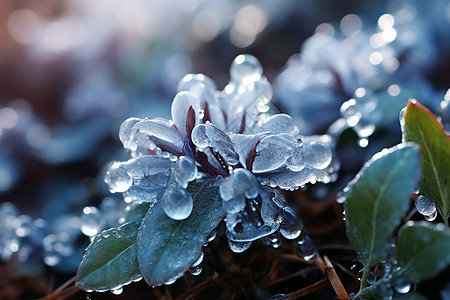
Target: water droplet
{"x":425,"y":206}
{"x":350,"y":113}
{"x":117,"y":291}
{"x":306,"y":249}
{"x":118,"y":178}
{"x":317,"y":154}
{"x":195,"y":270}
{"x":371,"y":279}
{"x":185,"y":171}
{"x":91,"y":221}
{"x":431,"y":217}
{"x":212,"y":235}
{"x":360,"y":274}
{"x":199,"y":137}
{"x":340,"y":198}
{"x":292,"y":225}
{"x":245,"y":68}
{"x":402,"y":286}
{"x":177,"y":203}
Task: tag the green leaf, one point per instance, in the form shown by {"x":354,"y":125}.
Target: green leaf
{"x":167,"y":247}
{"x":411,"y":296}
{"x":136,"y":212}
{"x":110,"y":260}
{"x":377,"y":198}
{"x":423,"y":250}
{"x":422,"y":128}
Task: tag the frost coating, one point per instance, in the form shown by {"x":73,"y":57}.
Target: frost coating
{"x":227,"y":136}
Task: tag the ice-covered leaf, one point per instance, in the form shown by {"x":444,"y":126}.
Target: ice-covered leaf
{"x":167,"y":247}
{"x":273,"y":152}
{"x":377,"y":197}
{"x":162,"y":134}
{"x":423,"y":251}
{"x":110,"y":260}
{"x":180,"y":107}
{"x":421,"y":127}
{"x":280,"y":123}
{"x":287,"y":179}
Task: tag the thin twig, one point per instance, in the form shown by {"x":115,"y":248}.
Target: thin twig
{"x":307,"y":290}
{"x":335,"y":281}
{"x":57,"y":293}
{"x":301,"y":272}
{"x":190,"y":294}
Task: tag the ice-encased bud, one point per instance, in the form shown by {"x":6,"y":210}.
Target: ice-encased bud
{"x":238,"y":247}
{"x":185,"y":171}
{"x":317,"y":154}
{"x":296,"y":162}
{"x":245,"y":68}
{"x":177,"y":203}
{"x":240,"y":183}
{"x":273,"y":152}
{"x":292,"y":225}
{"x":118,"y":178}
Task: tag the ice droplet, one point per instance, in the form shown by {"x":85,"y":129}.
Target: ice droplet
{"x":117,"y":291}
{"x":431,"y":217}
{"x":245,"y":68}
{"x":425,"y":206}
{"x":317,"y":154}
{"x":118,"y":178}
{"x":350,"y":113}
{"x":402,"y":286}
{"x":238,"y":247}
{"x":177,"y":203}
{"x":401,"y":116}
{"x":340,"y":198}
{"x":371,"y":279}
{"x":185,"y":171}
{"x":306,"y":249}
{"x":199,"y":137}
{"x":240,"y":183}
{"x":195,"y":270}
{"x":91,"y":221}
{"x":292,"y":225}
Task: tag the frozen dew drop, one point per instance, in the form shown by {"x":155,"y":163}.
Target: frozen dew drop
{"x":292,"y":225}
{"x":245,"y":68}
{"x":91,"y":221}
{"x":199,"y":137}
{"x":371,"y":279}
{"x":296,"y":162}
{"x":117,"y":291}
{"x":350,"y":113}
{"x":118,"y":178}
{"x":360,"y":274}
{"x":195,"y":270}
{"x":125,"y":131}
{"x":402,"y":286}
{"x":431,"y":217}
{"x":185,"y":171}
{"x":425,"y":206}
{"x":199,"y":260}
{"x":317,"y":154}
{"x":24,"y":225}
{"x":212,"y":235}
{"x":401,"y":116}
{"x":238,"y":247}
{"x":306,"y":249}
{"x":177,"y":203}
{"x":340,"y":198}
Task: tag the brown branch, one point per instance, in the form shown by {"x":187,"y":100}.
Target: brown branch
{"x":301,"y":272}
{"x":190,"y":294}
{"x":334,"y":280}
{"x":307,"y":290}
{"x":57,"y":294}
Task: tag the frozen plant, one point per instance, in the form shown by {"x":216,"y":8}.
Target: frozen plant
{"x":221,"y":156}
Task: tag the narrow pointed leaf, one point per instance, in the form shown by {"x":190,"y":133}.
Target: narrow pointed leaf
{"x":377,"y":197}
{"x":110,"y":260}
{"x":423,"y":251}
{"x":422,"y":128}
{"x":167,"y":247}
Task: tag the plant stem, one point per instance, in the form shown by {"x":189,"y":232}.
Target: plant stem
{"x":364,"y":279}
{"x":363,"y":290}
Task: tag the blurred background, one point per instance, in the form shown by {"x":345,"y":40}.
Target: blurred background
{"x":71,"y":71}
